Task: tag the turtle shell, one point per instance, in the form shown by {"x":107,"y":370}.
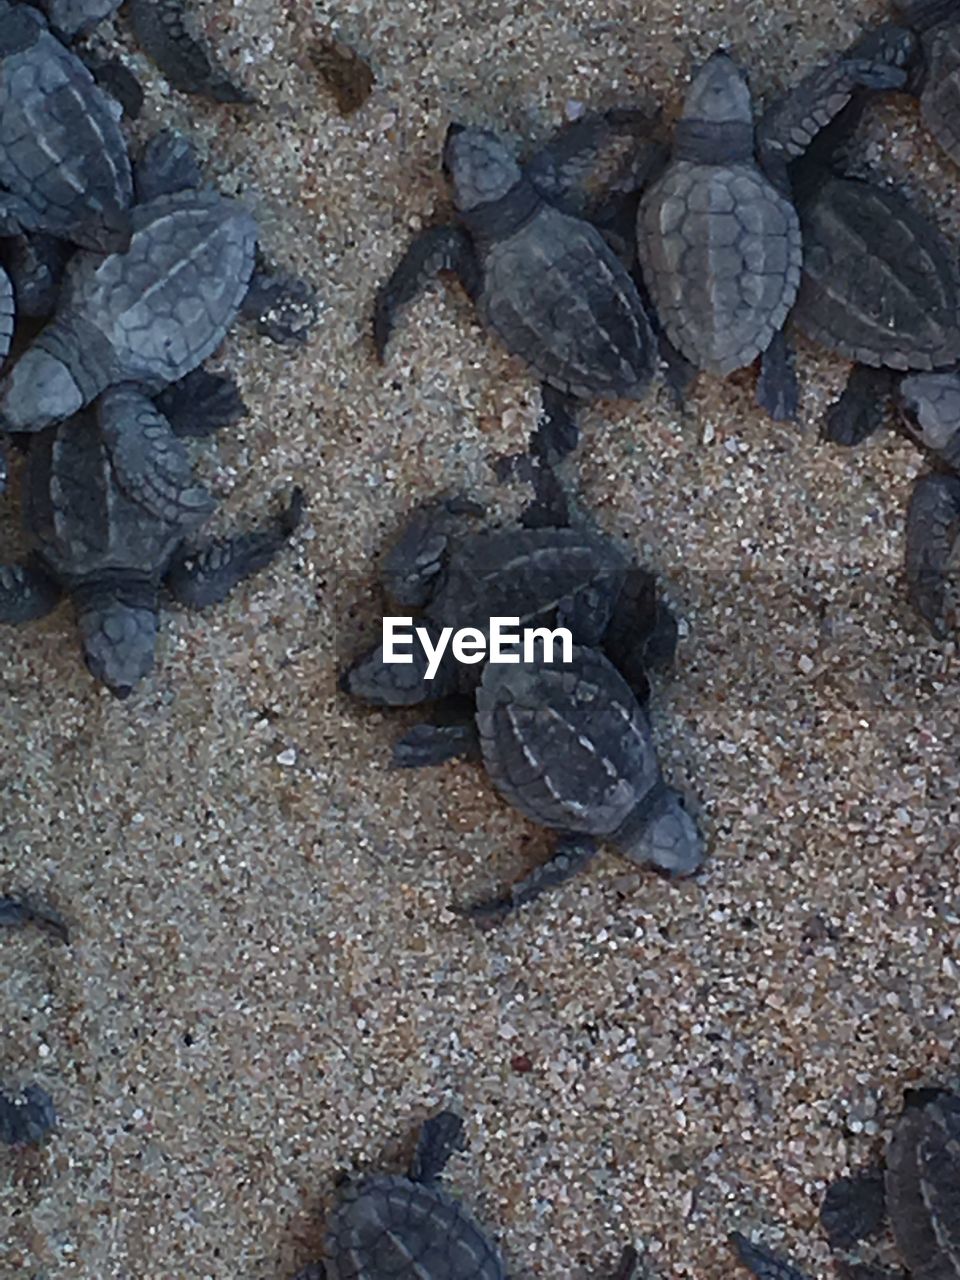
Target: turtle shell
{"x":940,"y":101}
{"x":83,"y":523}
{"x":923,"y":1185}
{"x":391,"y":1226}
{"x":566,"y":743}
{"x":166,"y":304}
{"x":62,"y":150}
{"x":879,"y":284}
{"x":720,"y":252}
{"x":525,"y":574}
{"x":559,"y":297}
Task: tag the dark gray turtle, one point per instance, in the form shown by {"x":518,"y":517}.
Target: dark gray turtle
{"x":149,"y":315}
{"x":568,"y":744}
{"x":547,"y":282}
{"x":409,"y":1227}
{"x":26,"y":1120}
{"x":880,"y":287}
{"x":553,"y":575}
{"x":111,"y":507}
{"x":932,"y":541}
{"x":718,"y":238}
{"x":7,"y":316}
{"x":167,"y":33}
{"x":63,"y":157}
{"x":920,"y":1189}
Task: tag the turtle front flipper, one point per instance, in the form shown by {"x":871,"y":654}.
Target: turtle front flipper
{"x":933,"y":527}
{"x":26,"y":594}
{"x":426,"y":745}
{"x":149,"y":461}
{"x":572,"y":854}
{"x":168,"y":163}
{"x":602,"y":153}
{"x":35,"y":265}
{"x":862,"y":407}
{"x":203,"y":577}
{"x":777,"y":389}
{"x":201,"y":404}
{"x":24,"y":911}
{"x":283,"y":307}
{"x":853,"y":1208}
{"x":629,"y":1265}
{"x":763,"y":1262}
{"x":437,"y":249}
{"x":790,"y":124}
{"x":26,"y":1120}
{"x":642,"y":633}
{"x":164,"y":30}
{"x":440,"y":1138}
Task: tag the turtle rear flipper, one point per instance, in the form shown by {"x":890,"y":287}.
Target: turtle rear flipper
{"x":571,"y":855}
{"x":440,"y":1137}
{"x":861,"y":409}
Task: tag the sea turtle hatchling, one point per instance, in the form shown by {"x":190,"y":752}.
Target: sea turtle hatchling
{"x":918,"y":1190}
{"x":545,"y":281}
{"x":408,"y":1227}
{"x":148,"y":316}
{"x":718,"y":238}
{"x":553,"y":574}
{"x":111,"y":509}
{"x":64,"y":163}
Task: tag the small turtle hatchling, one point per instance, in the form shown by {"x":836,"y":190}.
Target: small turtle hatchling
{"x":546,"y":282}
{"x":409,"y":1227}
{"x":569,"y":745}
{"x":147,"y":316}
{"x":64,"y":163}
{"x":918,"y":1191}
{"x":554,"y":574}
{"x":111,"y":508}
{"x":718,"y":238}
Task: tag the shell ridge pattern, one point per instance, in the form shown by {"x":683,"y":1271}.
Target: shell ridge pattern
{"x":568,"y":340}
{"x":893,"y":305}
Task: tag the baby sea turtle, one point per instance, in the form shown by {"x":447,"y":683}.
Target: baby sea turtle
{"x":718,"y":238}
{"x":409,"y":1227}
{"x":569,"y":745}
{"x":64,"y":164}
{"x":547,"y":282}
{"x":149,"y":315}
{"x":111,"y":506}
{"x":918,"y":1191}
{"x":553,"y":574}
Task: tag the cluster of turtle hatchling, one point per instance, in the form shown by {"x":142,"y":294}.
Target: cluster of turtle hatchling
{"x":605,"y":261}
{"x":119,"y":278}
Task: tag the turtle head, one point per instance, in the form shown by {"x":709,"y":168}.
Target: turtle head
{"x":38,"y":391}
{"x":119,"y":640}
{"x":669,"y":840}
{"x":480,"y":166}
{"x":719,"y":93}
